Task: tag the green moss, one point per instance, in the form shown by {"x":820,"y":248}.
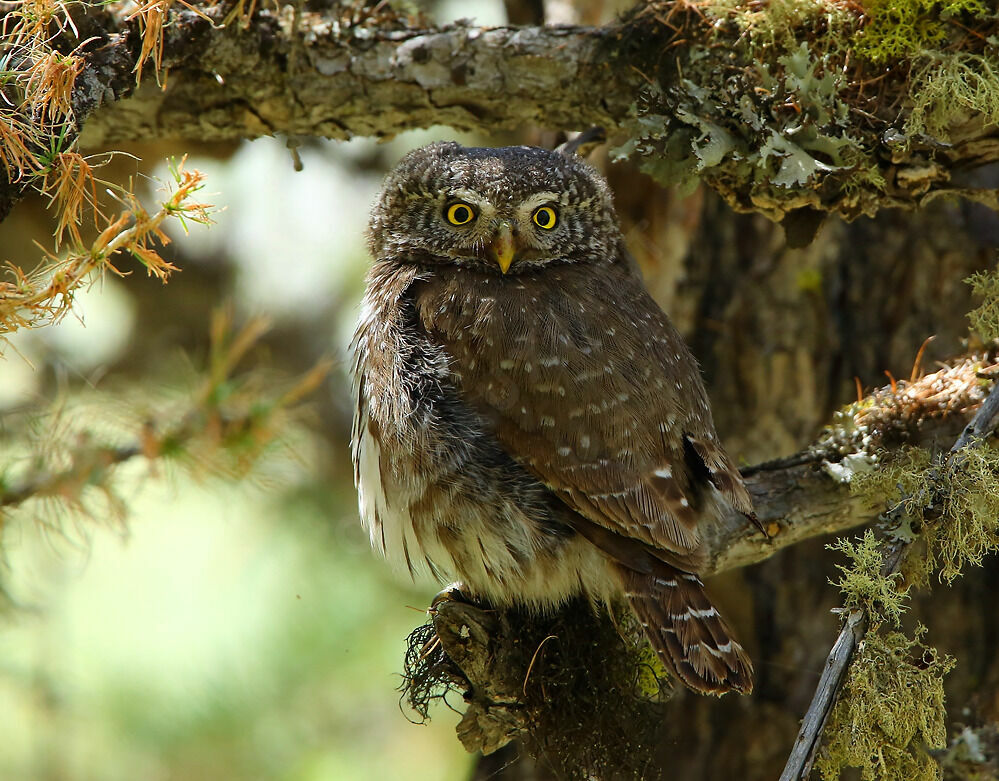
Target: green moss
{"x":891,"y":710}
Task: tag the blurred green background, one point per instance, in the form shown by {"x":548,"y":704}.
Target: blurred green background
{"x":197,"y":627}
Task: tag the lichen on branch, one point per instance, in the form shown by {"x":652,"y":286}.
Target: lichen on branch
{"x":890,"y":713}
{"x":864,"y":585}
{"x":782,"y":107}
{"x":814,"y":105}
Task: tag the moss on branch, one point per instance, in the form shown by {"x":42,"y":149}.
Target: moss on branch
{"x":813,"y":105}
{"x":782,"y":107}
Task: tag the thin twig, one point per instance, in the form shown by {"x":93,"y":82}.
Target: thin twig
{"x":799,"y":763}
{"x":43,"y":484}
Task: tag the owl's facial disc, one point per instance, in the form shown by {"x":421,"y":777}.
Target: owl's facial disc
{"x":504,"y":211}
{"x":497,"y":232}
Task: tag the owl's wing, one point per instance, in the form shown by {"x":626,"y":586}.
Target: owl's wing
{"x":589,"y":386}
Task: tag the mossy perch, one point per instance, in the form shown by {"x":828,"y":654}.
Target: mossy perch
{"x":545,"y":680}
{"x":790,"y":112}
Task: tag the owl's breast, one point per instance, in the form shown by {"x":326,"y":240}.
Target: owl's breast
{"x":437,"y":491}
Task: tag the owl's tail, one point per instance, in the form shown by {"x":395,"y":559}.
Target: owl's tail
{"x":686,"y":630}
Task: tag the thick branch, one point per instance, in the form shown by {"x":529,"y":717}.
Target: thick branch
{"x":672,"y":76}
{"x":796,"y":498}
{"x":808,"y":495}
{"x":308,"y":77}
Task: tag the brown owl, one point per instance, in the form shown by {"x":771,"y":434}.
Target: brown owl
{"x":528,"y":420}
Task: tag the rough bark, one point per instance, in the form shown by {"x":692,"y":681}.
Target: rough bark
{"x":301,"y":77}
{"x":349,"y":71}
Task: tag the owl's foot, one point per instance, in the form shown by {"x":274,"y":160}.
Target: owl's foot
{"x":453,"y":592}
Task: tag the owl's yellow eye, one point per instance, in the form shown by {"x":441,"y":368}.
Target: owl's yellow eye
{"x":545,"y":217}
{"x":460,"y":214}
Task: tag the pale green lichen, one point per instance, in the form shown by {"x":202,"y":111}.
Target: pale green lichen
{"x":775,"y":26}
{"x":780,"y":126}
{"x":891,"y":711}
{"x":902,"y":477}
{"x":947,"y":84}
{"x":788,"y":119}
{"x":955,"y":506}
{"x":863,"y":584}
{"x":901,"y":29}
{"x":946,"y":79}
{"x":969,"y":527}
{"x":985,"y":317}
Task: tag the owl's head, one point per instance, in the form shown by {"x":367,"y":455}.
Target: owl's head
{"x":503,"y":210}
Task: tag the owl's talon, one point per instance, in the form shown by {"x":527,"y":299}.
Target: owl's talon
{"x":450,"y":593}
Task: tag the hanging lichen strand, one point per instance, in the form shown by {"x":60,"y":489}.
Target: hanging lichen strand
{"x":891,"y":711}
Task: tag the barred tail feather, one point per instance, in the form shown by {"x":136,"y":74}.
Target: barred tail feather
{"x":686,"y":630}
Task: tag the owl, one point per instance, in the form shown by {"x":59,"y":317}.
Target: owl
{"x":527,"y":419}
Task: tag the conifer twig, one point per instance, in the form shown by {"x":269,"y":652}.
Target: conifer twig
{"x":224,"y":430}
{"x":856,"y":623}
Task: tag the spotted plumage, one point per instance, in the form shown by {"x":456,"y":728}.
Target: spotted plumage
{"x":528,"y":420}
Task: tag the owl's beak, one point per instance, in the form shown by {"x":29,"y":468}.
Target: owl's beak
{"x":502,"y":248}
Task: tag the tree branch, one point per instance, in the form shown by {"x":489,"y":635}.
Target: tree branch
{"x":799,"y":764}
{"x":808,"y":494}
{"x":796,"y":498}
{"x":308,"y":76}
{"x":663,"y":76}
